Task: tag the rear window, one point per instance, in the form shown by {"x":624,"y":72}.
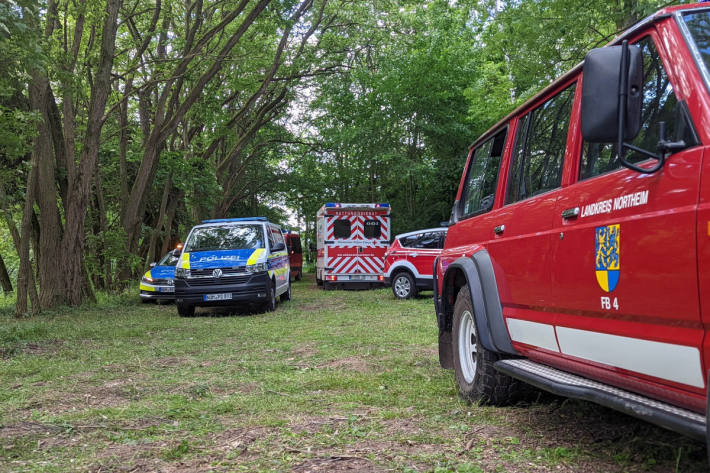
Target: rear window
{"x":341,"y":228}
{"x":231,"y":237}
{"x":294,"y":244}
{"x":373,"y":229}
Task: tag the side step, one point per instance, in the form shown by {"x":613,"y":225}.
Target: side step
{"x":566,"y":384}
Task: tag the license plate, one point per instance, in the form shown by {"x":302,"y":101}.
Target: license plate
{"x":167,"y":289}
{"x":218,"y":297}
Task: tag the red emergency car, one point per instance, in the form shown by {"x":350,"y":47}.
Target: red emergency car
{"x":351,"y":243}
{"x":409,"y":261}
{"x":578,"y":271}
{"x":295,"y":253}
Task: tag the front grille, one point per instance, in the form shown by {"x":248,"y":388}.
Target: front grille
{"x":218,"y":281}
{"x":163,"y":282}
{"x":207,"y":272}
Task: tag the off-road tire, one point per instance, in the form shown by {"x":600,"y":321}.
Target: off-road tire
{"x":270,"y":305}
{"x":488,"y":385}
{"x":286,"y":296}
{"x":185,"y":310}
{"x":403,"y":285}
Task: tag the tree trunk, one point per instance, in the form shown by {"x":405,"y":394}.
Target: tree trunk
{"x":72,"y":255}
{"x":5,"y":280}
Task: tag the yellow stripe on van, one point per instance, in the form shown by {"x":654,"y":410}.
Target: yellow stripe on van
{"x":185,"y":261}
{"x":254,"y":258}
{"x":145,"y":287}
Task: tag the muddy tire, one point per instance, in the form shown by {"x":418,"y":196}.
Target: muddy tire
{"x":185,"y":310}
{"x":403,"y":285}
{"x":476,"y":377}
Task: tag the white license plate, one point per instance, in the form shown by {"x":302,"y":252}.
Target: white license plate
{"x":218,"y":297}
{"x":167,"y":289}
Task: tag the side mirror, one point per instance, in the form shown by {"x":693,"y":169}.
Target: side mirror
{"x":278,"y":247}
{"x":152,"y":265}
{"x":601,"y":90}
{"x":175,"y":253}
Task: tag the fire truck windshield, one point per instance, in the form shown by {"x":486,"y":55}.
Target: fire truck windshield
{"x":696,"y":26}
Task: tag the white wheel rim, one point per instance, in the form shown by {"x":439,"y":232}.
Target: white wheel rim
{"x":402,"y":286}
{"x":467,"y":346}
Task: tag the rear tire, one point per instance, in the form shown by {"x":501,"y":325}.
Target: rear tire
{"x":403,"y":285}
{"x":186,"y":310}
{"x":476,"y":377}
{"x":286,"y":296}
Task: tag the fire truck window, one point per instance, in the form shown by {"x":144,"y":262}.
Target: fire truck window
{"x":341,"y":228}
{"x":536,"y":164}
{"x":372,"y":229}
{"x":658,"y":105}
{"x":482,"y":177}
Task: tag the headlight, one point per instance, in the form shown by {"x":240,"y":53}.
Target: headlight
{"x":182,"y":273}
{"x":147,"y":279}
{"x":257,"y":268}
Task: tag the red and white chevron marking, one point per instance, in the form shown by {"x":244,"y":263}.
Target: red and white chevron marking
{"x":356,"y":265}
{"x":357,"y":226}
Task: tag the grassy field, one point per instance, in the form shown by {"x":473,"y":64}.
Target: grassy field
{"x":332,"y":381}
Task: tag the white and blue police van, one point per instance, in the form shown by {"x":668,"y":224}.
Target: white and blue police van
{"x":232,"y":262}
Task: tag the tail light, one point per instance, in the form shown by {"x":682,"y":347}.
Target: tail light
{"x":381,"y":277}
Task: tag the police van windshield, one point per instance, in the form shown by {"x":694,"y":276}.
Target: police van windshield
{"x":227,"y":237}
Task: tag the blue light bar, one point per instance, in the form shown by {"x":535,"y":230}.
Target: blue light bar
{"x":242,"y":219}
{"x":332,"y":204}
{"x":382,"y":205}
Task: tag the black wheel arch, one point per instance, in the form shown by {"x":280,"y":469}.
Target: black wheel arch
{"x":477,"y":272}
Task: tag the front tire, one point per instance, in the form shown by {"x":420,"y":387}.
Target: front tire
{"x":403,"y":286}
{"x":271,"y":302}
{"x":186,"y":310}
{"x":476,"y":377}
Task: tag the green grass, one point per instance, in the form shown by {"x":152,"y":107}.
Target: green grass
{"x":331,"y":380}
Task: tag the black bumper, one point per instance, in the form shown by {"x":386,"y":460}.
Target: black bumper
{"x":423,"y":284}
{"x":254,"y":289}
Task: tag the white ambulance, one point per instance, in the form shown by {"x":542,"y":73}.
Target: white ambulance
{"x":351,"y":241}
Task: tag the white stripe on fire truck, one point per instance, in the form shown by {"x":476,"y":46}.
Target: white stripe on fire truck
{"x":678,"y":363}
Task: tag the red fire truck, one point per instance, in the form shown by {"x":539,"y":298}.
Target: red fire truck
{"x":351,"y":243}
{"x":579,"y":256}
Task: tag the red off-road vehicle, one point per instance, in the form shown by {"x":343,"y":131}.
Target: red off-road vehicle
{"x":580,"y":269}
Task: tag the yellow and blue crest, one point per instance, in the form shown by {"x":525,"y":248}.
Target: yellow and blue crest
{"x":607,"y":252}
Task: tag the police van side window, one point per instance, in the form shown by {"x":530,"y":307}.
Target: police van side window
{"x":536,"y":164}
{"x":341,"y":228}
{"x":480,"y":187}
{"x":659,"y":103}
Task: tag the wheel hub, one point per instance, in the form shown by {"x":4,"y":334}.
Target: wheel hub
{"x":467,"y":346}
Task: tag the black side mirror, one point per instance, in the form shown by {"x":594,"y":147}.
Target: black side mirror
{"x":601,"y":89}
{"x":612,"y":95}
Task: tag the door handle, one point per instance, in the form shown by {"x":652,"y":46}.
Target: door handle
{"x":499,"y":229}
{"x":570,"y":213}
